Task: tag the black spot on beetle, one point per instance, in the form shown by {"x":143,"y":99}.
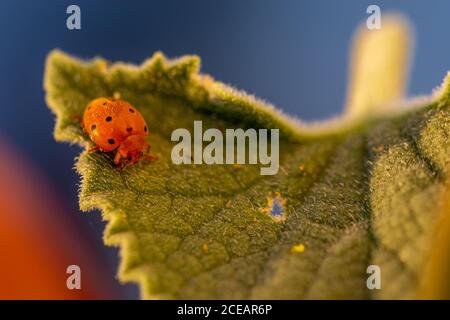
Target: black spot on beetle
{"x":108,"y":118}
{"x":129,"y":158}
{"x":145,"y":129}
{"x":131,"y":110}
{"x":93,"y":127}
{"x":129,"y":129}
{"x":111,"y":141}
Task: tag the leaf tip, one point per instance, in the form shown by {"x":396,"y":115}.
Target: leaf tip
{"x":442,"y":93}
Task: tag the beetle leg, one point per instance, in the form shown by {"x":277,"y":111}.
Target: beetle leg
{"x":94,"y":149}
{"x":117,"y":158}
{"x":148,"y":156}
{"x":77,"y":118}
{"x":151,"y":158}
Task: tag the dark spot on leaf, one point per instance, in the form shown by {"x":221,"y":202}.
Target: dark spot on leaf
{"x":275,"y":207}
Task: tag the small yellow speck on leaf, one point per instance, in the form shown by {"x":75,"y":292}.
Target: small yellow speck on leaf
{"x":205,"y":248}
{"x":298,"y":248}
{"x":117,"y":95}
{"x":301,"y":168}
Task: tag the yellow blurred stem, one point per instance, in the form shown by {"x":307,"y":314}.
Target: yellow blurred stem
{"x":436,"y":280}
{"x":378,"y":67}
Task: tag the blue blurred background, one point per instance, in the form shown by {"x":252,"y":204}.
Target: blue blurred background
{"x":291,"y":53}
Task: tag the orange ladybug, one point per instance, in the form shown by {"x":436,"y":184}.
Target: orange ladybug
{"x":115,"y":124}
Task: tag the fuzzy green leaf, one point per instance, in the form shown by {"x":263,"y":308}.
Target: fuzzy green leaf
{"x":361,"y":193}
